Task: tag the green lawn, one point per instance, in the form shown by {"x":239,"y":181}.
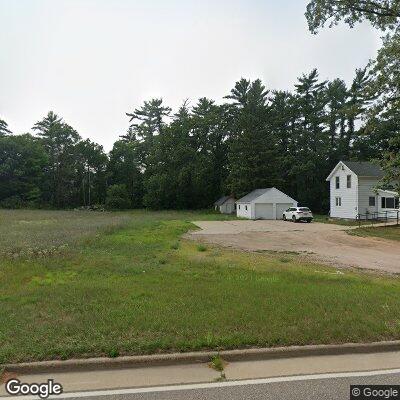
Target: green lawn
{"x":384,"y":232}
{"x":76,"y":284}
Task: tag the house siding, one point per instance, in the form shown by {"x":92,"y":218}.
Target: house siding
{"x":349,"y":196}
{"x":366,"y":188}
{"x":228,"y":207}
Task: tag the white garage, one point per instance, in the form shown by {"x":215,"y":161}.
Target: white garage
{"x":269,"y":203}
{"x":264,"y":210}
{"x":281,"y":207}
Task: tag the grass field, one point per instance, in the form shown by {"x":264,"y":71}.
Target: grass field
{"x":76,"y":284}
{"x":384,"y":232}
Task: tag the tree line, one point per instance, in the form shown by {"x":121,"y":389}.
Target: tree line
{"x":256,"y":138}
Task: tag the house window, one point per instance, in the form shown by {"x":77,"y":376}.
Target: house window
{"x":371,"y":201}
{"x":245,"y":207}
{"x":337,"y":180}
{"x":388,"y":202}
{"x":239,"y":206}
{"x":348,"y":181}
{"x":338,"y":201}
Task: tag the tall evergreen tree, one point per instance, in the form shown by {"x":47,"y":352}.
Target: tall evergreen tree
{"x":4,"y":128}
{"x":356,"y":106}
{"x":312,"y":144}
{"x":209,"y":131}
{"x":284,"y":117}
{"x":149,"y":119}
{"x":169,"y":175}
{"x":59,"y":140}
{"x":90,"y":175}
{"x":124,"y":169}
{"x":339,"y":146}
{"x":253,"y":150}
{"x":147,"y":122}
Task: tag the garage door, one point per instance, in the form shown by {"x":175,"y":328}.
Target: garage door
{"x":280,"y":208}
{"x":264,"y":211}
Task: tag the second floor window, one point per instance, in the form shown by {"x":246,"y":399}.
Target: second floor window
{"x":348,"y":181}
{"x":337,"y":182}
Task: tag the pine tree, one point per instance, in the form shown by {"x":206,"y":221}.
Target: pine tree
{"x":4,"y":128}
{"x":337,"y":95}
{"x":59,"y":140}
{"x":253,"y":151}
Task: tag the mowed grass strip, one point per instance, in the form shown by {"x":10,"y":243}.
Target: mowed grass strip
{"x":325,"y":219}
{"x":140,"y":288}
{"x":391,"y":232}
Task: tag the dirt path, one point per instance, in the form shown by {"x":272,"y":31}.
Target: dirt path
{"x":325,"y":242}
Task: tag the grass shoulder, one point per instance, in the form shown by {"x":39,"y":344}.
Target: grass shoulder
{"x":325,"y":219}
{"x":391,"y":232}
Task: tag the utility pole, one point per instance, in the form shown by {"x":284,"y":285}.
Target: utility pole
{"x":88,"y":185}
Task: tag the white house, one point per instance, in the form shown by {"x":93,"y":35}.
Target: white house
{"x":352,"y":190}
{"x":267,"y":203}
{"x":225,"y":205}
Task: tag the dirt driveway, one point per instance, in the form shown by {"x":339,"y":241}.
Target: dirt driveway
{"x":325,"y":242}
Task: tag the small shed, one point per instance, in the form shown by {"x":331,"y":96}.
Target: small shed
{"x":269,"y":203}
{"x":225,"y":205}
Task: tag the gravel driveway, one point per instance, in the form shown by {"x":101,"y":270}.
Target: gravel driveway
{"x":328,"y":243}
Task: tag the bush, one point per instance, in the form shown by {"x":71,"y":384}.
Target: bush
{"x":201,"y":247}
{"x":12,"y":202}
{"x":113,"y":353}
{"x":117,"y":197}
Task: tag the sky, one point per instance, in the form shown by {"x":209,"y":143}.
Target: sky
{"x":90,"y":61}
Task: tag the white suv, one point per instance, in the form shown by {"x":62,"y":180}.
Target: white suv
{"x":297,"y":214}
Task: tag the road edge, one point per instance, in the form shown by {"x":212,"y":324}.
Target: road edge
{"x":249,"y":354}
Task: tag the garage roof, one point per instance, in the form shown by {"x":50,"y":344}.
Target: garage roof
{"x":222,"y":200}
{"x":253,"y":195}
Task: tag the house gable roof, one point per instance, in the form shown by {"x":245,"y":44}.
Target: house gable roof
{"x":222,"y":200}
{"x":364,"y":168}
{"x":360,"y":168}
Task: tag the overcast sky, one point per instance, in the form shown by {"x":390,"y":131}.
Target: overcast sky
{"x":91,"y":61}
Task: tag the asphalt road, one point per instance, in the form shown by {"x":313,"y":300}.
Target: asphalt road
{"x":307,"y":389}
